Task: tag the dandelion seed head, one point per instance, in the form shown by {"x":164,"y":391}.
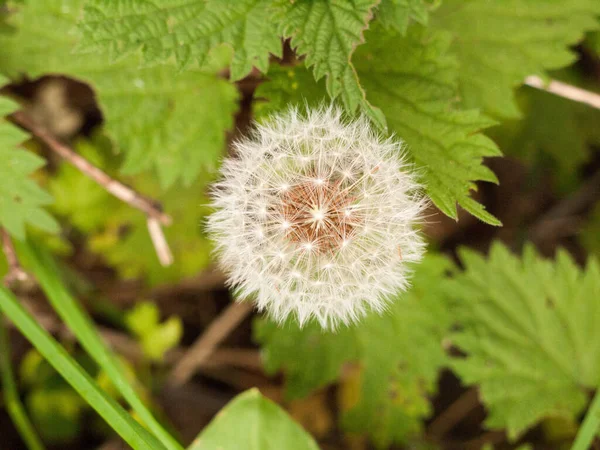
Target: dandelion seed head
{"x":316,"y":217}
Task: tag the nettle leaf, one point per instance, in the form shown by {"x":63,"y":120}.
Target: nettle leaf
{"x":185,"y":31}
{"x":21,"y":199}
{"x":327,"y":33}
{"x":172,"y":122}
{"x":418,"y":99}
{"x":531,"y":332}
{"x":252,"y":422}
{"x":399,"y":354}
{"x":500,"y":42}
{"x":398,"y":14}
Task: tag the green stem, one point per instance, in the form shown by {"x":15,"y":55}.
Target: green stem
{"x":14,"y":406}
{"x":590,"y":426}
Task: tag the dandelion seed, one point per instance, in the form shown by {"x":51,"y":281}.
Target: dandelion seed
{"x":334,"y":203}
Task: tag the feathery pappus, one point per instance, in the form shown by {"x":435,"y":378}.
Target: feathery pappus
{"x":316,"y":216}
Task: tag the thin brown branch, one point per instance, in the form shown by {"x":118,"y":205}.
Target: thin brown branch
{"x":15,"y":273}
{"x":453,"y":414}
{"x":565,"y":90}
{"x":124,"y":193}
{"x":243,"y":358}
{"x":491,"y":438}
{"x":218,"y":330}
{"x":160,"y":242}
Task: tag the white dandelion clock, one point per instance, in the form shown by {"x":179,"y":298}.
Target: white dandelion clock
{"x":316,"y":218}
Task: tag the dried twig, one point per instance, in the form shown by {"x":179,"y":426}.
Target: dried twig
{"x":565,"y":90}
{"x":160,"y":242}
{"x":218,"y":330}
{"x":125,"y":193}
{"x":15,"y":271}
{"x":453,"y":414}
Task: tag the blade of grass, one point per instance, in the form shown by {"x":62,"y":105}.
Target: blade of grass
{"x":118,"y":419}
{"x":590,"y":426}
{"x":15,"y":408}
{"x":42,"y":264}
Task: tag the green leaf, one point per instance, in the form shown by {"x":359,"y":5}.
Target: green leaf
{"x":252,"y":422}
{"x":400,"y":354}
{"x":171,"y":122}
{"x":398,"y":14}
{"x":119,"y":420}
{"x":156,"y":338}
{"x":327,"y":33}
{"x":531,"y":332}
{"x":418,"y":98}
{"x":500,"y":42}
{"x":185,"y":31}
{"x":165,"y":337}
{"x":142,"y":318}
{"x":21,"y":199}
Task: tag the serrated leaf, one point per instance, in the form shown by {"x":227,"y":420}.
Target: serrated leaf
{"x":171,"y":122}
{"x":399,"y":354}
{"x":252,"y":422}
{"x":21,"y":199}
{"x":399,"y":13}
{"x":327,"y":33}
{"x":418,"y":99}
{"x":500,"y":42}
{"x":531,"y":332}
{"x":186,"y":31}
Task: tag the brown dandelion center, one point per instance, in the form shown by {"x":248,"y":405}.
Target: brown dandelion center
{"x":319,"y":214}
